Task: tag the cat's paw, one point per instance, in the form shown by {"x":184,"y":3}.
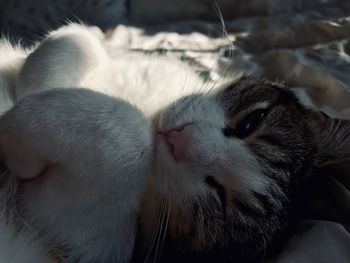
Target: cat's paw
{"x":70,"y":126}
{"x":88,"y":156}
{"x":18,"y":246}
{"x":63,"y":59}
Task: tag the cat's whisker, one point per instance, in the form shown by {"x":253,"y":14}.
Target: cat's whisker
{"x":228,"y":42}
{"x":168,"y":211}
{"x":160,"y":229}
{"x":225,"y":32}
{"x":156,"y":230}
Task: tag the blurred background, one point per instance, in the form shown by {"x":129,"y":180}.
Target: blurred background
{"x":29,"y":19}
{"x":302,"y":42}
{"x":305,"y":43}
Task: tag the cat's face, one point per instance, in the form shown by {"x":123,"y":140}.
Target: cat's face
{"x":224,"y":169}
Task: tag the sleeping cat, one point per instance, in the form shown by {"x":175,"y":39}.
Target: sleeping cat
{"x":106,"y":151}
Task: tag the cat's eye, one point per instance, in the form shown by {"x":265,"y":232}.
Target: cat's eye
{"x":247,"y":125}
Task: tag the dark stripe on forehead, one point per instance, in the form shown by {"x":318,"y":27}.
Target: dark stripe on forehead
{"x":272,"y":140}
{"x":280,"y":178}
{"x":305,"y":169}
{"x":286,"y":97}
{"x":277,"y":169}
{"x":267,"y":204}
{"x":287,"y":166}
{"x":248,"y":210}
{"x":246,"y":93}
{"x":279,"y":193}
{"x":278,"y":163}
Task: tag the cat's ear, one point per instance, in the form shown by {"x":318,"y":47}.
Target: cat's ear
{"x":329,"y":196}
{"x":332,"y":138}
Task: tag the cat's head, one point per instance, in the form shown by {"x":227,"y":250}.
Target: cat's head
{"x":226,"y":165}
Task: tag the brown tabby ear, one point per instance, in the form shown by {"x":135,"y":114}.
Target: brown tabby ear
{"x":333,"y":139}
{"x":327,"y":197}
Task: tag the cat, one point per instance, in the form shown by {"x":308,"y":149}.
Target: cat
{"x":137,"y":158}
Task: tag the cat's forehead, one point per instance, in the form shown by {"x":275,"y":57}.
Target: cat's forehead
{"x":248,"y":92}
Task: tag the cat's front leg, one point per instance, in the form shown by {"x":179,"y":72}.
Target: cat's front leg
{"x":87,"y":156}
{"x":64,"y":59}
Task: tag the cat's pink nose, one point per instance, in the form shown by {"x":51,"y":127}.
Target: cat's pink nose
{"x":178,"y":139}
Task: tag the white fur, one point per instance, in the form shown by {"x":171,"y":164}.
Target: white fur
{"x":11,"y":62}
{"x":89,"y":196}
{"x":93,"y":151}
{"x":67,"y":56}
{"x":19,"y":246}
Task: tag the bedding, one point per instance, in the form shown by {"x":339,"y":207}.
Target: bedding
{"x":303,"y":43}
